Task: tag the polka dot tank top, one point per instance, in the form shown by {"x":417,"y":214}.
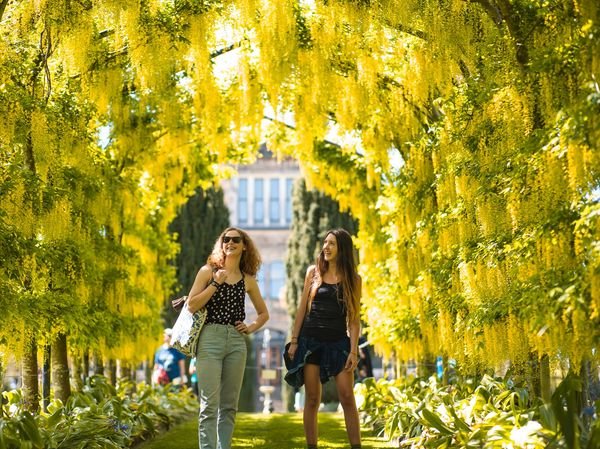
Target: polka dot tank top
{"x":227,"y":304}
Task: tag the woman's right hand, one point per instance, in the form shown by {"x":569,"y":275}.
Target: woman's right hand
{"x":292,"y":350}
{"x":220,"y":276}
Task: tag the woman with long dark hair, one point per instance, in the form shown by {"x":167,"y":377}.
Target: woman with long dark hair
{"x":221,"y":286}
{"x":325,"y":334}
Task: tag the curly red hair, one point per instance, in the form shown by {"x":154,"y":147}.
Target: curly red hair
{"x":250,"y":261}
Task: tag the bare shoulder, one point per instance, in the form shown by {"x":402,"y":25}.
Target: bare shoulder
{"x":250,"y":281}
{"x":204,"y":272}
{"x":205,"y":269}
{"x":310,"y":273}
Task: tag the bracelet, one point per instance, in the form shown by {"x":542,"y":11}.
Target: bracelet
{"x":294,"y":343}
{"x":354,"y":353}
{"x":215,"y":284}
{"x":294,"y":338}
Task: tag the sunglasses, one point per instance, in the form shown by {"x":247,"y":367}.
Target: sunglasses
{"x":236,"y":239}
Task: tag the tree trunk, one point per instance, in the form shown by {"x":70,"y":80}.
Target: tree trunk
{"x":533,"y":372}
{"x":148,"y":372}
{"x":545,"y":380}
{"x":98,"y":364}
{"x":124,"y":370}
{"x":394,"y":368}
{"x":31,"y":391}
{"x":77,"y":372}
{"x":3,"y":4}
{"x":60,"y":368}
{"x":125,"y":379}
{"x":427,"y":366}
{"x":46,"y":378}
{"x":446,"y":373}
{"x":86,"y":365}
{"x":586,"y":375}
{"x":111,"y":372}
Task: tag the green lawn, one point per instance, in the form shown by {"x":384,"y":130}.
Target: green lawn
{"x":276,"y":431}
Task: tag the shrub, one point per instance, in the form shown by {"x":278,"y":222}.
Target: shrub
{"x":98,"y":417}
{"x":493,"y":413}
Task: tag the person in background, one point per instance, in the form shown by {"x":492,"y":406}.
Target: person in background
{"x":325,"y":334}
{"x":221,"y":286}
{"x":169,"y":363}
{"x":193,"y":376}
{"x":364,"y":368}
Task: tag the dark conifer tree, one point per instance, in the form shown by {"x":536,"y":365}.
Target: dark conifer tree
{"x":197,"y":226}
{"x":314,"y":213}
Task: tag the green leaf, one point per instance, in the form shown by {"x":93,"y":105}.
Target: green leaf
{"x":31,"y":430}
{"x":2,"y":442}
{"x":26,"y":444}
{"x":148,"y":423}
{"x":565,"y":406}
{"x":436,"y":422}
{"x":440,"y":442}
{"x":547,"y":417}
{"x":458,"y":421}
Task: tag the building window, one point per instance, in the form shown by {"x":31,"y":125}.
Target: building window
{"x":277,"y":279}
{"x":243,"y":201}
{"x":289,"y":183}
{"x":274,"y":212}
{"x":259,"y":201}
{"x":260,"y":280}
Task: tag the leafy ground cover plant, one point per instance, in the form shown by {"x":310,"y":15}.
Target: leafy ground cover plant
{"x":98,"y":417}
{"x":421,"y":413}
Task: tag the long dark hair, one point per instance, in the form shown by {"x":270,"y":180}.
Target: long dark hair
{"x":346,"y":270}
{"x":250,"y":261}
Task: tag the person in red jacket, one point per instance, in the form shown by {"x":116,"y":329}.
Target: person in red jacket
{"x":169,"y":363}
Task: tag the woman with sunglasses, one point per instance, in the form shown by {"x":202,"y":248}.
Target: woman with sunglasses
{"x":325,"y":334}
{"x":221,"y":286}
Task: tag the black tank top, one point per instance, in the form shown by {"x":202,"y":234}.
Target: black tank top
{"x":326,"y":319}
{"x":227,"y":304}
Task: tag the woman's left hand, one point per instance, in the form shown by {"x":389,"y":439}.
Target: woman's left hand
{"x":241,"y":327}
{"x":351,"y":362}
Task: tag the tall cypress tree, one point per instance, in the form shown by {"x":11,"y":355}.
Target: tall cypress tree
{"x":197,"y":226}
{"x":314,"y":213}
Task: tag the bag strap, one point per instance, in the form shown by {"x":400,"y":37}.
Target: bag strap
{"x":178,"y":303}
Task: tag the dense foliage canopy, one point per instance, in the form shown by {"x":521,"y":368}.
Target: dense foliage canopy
{"x":463,"y":135}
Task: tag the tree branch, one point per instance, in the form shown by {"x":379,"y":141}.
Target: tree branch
{"x":113,"y":55}
{"x":224,"y":50}
{"x":287,"y":125}
{"x":3,"y":5}
{"x":492,"y":10}
{"x":47,"y":54}
{"x":404,"y":29}
{"x":503,"y":12}
{"x":344,"y":68}
{"x":105,"y":33}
